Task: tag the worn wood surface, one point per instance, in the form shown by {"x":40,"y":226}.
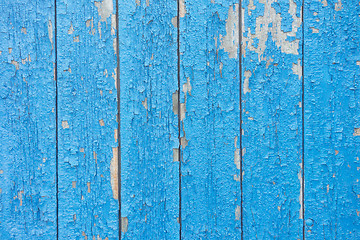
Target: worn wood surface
{"x":179,"y":119}
{"x":210,"y":119}
{"x":27,"y":125}
{"x":87,"y":109}
{"x":149,"y":122}
{"x":332,"y":119}
{"x":271,"y":117}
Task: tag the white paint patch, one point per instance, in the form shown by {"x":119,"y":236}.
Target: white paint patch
{"x":230,"y":42}
{"x":51,"y":35}
{"x":182,"y":8}
{"x":237,"y":213}
{"x":270,"y":22}
{"x":301,"y":212}
{"x":338,"y":6}
{"x":105,"y":9}
{"x":247,"y":75}
{"x":297,"y":69}
{"x":251,"y":7}
{"x":114,"y":173}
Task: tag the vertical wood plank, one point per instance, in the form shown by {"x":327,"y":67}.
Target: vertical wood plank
{"x":210,"y":119}
{"x":332,"y":119}
{"x":27,"y":120}
{"x":87,"y":109}
{"x":149,"y":125}
{"x":272,"y":119}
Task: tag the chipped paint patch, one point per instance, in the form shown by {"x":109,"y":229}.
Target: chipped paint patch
{"x":270,"y":22}
{"x":175,"y":100}
{"x":297,"y":69}
{"x":105,"y":9}
{"x":145,"y":104}
{"x":65,"y":124}
{"x":101,"y":122}
{"x":338,"y":6}
{"x":237,"y":213}
{"x":114,"y":173}
{"x":237,"y":158}
{"x":23,"y":30}
{"x":184,"y":142}
{"x":51,"y":34}
{"x":247,"y":75}
{"x":324,"y":2}
{"x":314,"y":30}
{"x":124,"y":224}
{"x":182,"y":8}
{"x":71,"y":29}
{"x":174,"y":22}
{"x":175,"y":155}
{"x":301,"y":211}
{"x":230,"y":41}
{"x":356,"y":132}
{"x":187,"y":86}
{"x":15,"y":63}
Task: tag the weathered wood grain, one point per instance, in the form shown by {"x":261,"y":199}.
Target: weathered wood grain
{"x":210,"y":119}
{"x":272,"y":119}
{"x":27,"y":120}
{"x":87,"y":109}
{"x":332,"y":119}
{"x":149,"y":124}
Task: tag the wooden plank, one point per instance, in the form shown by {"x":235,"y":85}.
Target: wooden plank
{"x":272,"y":119}
{"x":332,"y":119}
{"x":87,"y":110}
{"x":210,"y":119}
{"x":27,"y":120}
{"x":149,"y":127}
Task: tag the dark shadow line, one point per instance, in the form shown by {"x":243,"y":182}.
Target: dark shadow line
{"x":303,"y":118}
{"x":56,"y":126}
{"x":118,"y":112}
{"x":178,"y":113}
{"x":240,"y":106}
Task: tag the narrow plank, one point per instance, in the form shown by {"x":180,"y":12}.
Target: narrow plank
{"x":27,"y":120}
{"x":332,"y":119}
{"x":210,"y":119}
{"x":87,"y":109}
{"x":149,"y":127}
{"x":272,"y":119}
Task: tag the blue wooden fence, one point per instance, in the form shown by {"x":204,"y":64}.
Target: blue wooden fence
{"x":179,"y":119}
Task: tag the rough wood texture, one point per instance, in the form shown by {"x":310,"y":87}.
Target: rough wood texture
{"x":332,"y":119}
{"x":210,"y":119}
{"x":149,"y":124}
{"x":88,"y":191}
{"x":27,"y":120}
{"x":272,"y":119}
